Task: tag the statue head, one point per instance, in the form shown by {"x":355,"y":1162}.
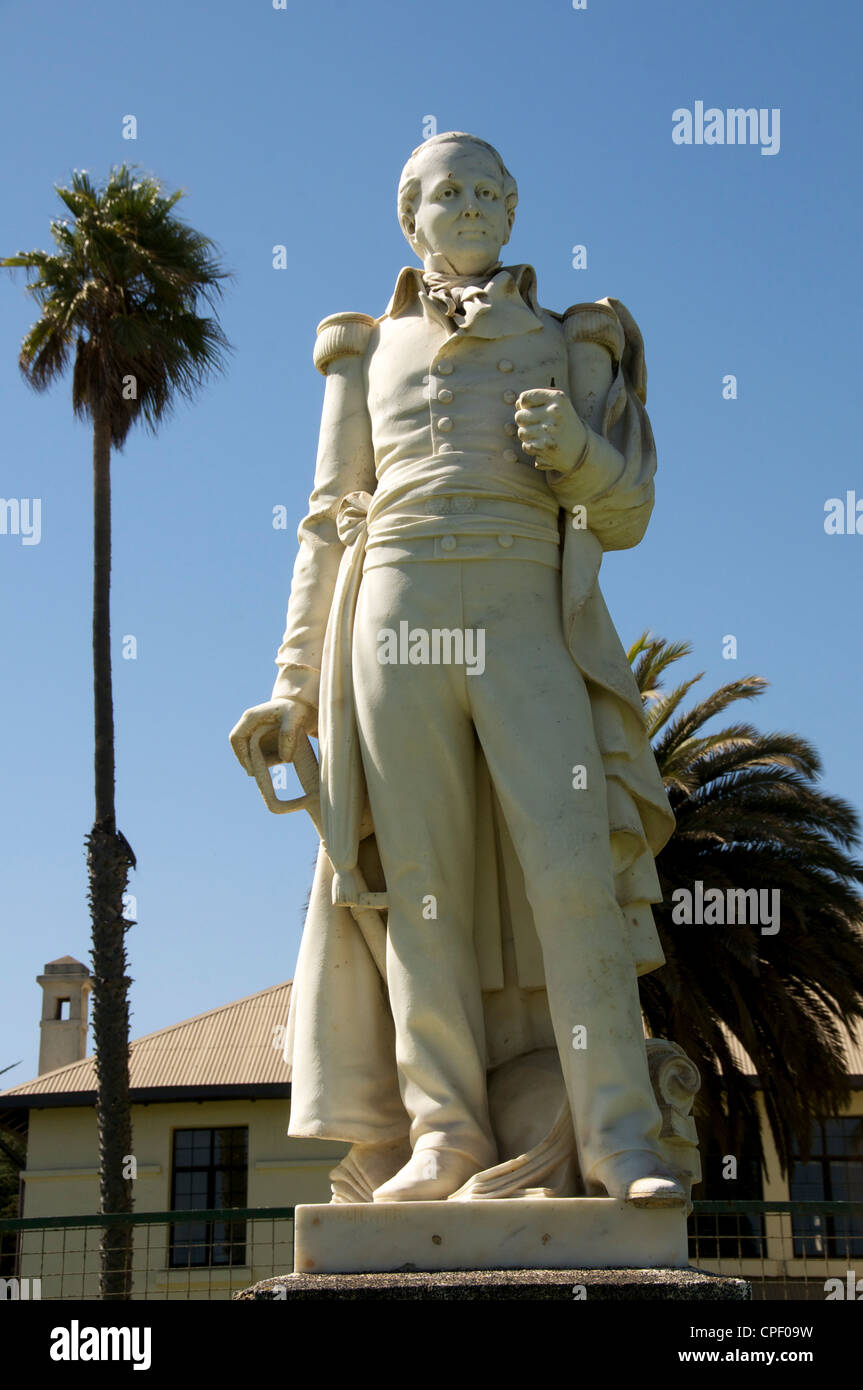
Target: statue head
{"x":456,"y":203}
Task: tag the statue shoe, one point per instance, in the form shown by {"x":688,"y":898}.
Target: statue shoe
{"x":365,"y":1167}
{"x":429,"y":1176}
{"x":638,"y":1176}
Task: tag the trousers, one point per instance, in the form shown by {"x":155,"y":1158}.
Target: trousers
{"x":418,"y":719}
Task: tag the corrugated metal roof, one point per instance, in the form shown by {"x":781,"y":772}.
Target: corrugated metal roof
{"x":236,"y":1044}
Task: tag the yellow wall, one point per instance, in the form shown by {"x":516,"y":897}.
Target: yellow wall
{"x":61,"y":1179}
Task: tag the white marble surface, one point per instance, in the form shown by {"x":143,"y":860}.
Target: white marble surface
{"x":478,"y":454}
{"x":589,"y":1233}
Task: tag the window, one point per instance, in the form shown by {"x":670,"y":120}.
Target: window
{"x":209,"y":1169}
{"x":733,"y":1235}
{"x":832,"y":1173}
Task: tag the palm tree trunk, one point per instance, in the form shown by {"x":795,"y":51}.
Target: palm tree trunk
{"x":109,"y":859}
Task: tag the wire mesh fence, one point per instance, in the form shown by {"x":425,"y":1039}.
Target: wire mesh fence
{"x":787,"y":1250}
{"x":202,"y":1254}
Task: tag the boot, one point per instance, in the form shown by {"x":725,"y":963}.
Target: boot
{"x":640,"y":1177}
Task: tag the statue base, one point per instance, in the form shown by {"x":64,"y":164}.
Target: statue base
{"x":518,"y":1234}
{"x":669,"y":1286}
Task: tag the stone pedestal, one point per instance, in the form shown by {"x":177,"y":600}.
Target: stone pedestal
{"x":523,"y":1234}
{"x":668,"y":1286}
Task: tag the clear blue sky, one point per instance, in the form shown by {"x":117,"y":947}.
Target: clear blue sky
{"x":291,"y":127}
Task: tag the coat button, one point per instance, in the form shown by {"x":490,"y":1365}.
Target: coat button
{"x":510,"y":397}
{"x":448,"y":543}
{"x":444,"y":368}
{"x":445,"y":395}
{"x":509,"y":428}
{"x":504,"y":365}
{"x":444,"y":424}
{"x":510,"y":456}
{"x":446,"y":448}
{"x":505,"y":540}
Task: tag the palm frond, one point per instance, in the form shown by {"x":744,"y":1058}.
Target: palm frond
{"x":123,"y":294}
{"x":651,"y":656}
{"x":750,"y":816}
{"x":747,"y":688}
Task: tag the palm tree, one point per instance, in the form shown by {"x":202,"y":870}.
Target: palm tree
{"x":11,"y":1163}
{"x":120,"y":298}
{"x":749,"y":815}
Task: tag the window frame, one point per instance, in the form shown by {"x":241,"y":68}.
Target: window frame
{"x":838,"y":1235}
{"x":209,"y":1237}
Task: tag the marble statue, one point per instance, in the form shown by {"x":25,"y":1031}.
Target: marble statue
{"x":465,"y":1009}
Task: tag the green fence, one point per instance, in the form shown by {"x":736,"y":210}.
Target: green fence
{"x":785,"y":1249}
{"x":788,"y":1250}
{"x":202,"y":1254}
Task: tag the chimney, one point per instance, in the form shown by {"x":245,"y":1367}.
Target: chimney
{"x":66,"y":989}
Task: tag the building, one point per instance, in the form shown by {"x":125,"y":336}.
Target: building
{"x":210,"y":1104}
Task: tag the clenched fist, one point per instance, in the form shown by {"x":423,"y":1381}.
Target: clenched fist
{"x":549,"y":429}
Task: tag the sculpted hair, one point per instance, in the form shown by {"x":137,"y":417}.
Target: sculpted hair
{"x":409,"y":183}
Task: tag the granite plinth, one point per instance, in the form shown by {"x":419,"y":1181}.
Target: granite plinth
{"x":540,"y":1285}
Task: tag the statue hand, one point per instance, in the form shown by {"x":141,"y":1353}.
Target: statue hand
{"x":278,"y":723}
{"x":550,"y":429}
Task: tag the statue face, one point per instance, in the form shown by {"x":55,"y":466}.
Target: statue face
{"x":461,"y":212}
